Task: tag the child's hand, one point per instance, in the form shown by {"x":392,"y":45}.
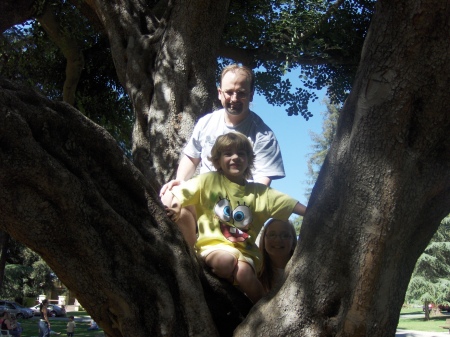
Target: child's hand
{"x":174,"y":216}
{"x":168,"y":186}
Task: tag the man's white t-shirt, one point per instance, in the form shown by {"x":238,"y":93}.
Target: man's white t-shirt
{"x":268,"y":160}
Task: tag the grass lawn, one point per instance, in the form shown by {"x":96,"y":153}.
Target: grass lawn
{"x":30,"y":326}
{"x":414,"y":322}
{"x":418,"y":322}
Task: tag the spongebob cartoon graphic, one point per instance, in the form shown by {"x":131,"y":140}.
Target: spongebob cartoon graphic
{"x":234,"y":223}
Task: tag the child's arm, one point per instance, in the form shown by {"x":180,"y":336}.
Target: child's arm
{"x":299,"y":209}
{"x":172,"y":204}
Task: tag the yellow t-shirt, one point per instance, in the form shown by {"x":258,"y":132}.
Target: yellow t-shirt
{"x":231,"y":214}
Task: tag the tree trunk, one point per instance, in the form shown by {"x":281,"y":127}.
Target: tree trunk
{"x":382,"y":191}
{"x":4,"y":242}
{"x":426,"y":311}
{"x":167,"y":64}
{"x":68,"y":192}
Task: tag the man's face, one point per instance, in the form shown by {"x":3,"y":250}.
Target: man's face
{"x":235,"y":94}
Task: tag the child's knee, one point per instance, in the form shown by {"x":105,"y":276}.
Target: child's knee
{"x":222,"y":263}
{"x":245,"y":271}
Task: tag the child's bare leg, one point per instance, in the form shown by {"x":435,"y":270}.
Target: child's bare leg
{"x":248,"y":282}
{"x":187,"y":218}
{"x":187,"y":224}
{"x":222,"y":264}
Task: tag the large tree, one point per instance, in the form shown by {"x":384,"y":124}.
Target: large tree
{"x":381,"y":193}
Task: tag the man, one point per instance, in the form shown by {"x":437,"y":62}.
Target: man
{"x":236,"y":91}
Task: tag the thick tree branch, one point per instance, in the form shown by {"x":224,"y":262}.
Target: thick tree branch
{"x":13,"y":12}
{"x":66,"y":186}
{"x":383,"y":189}
{"x":70,"y":49}
{"x":116,"y":249}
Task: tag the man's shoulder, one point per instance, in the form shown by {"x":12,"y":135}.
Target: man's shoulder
{"x":209,"y":122}
{"x":258,"y":122}
{"x":211,"y":116}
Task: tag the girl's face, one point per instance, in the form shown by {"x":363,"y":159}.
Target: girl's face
{"x":278,"y":240}
{"x":233,"y":164}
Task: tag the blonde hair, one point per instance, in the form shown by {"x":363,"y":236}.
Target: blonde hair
{"x":232,"y":140}
{"x":234,"y":68}
{"x":266,"y":273}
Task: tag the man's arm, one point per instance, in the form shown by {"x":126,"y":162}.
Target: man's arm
{"x":187,"y":167}
{"x":185,"y":171}
{"x":264,"y":180}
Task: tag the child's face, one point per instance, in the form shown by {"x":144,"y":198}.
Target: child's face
{"x":278,"y":240}
{"x":233,"y":163}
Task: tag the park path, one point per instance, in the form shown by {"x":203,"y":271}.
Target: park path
{"x":411,"y":333}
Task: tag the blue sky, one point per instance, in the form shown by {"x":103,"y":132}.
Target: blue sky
{"x":293,"y":135}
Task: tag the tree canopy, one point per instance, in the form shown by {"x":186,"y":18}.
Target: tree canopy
{"x":382,"y":191}
{"x":319,"y":40}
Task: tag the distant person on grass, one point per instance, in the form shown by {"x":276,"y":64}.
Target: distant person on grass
{"x":11,"y":325}
{"x":93,"y":325}
{"x":71,"y":326}
{"x":44,"y":324}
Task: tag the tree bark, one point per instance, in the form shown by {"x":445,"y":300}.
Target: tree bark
{"x":4,"y":242}
{"x":382,"y":191}
{"x":68,"y":192}
{"x":167,"y":64}
{"x":70,"y":49}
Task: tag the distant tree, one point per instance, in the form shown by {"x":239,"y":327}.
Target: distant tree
{"x":26,"y":273}
{"x":430,"y":280}
{"x":322,"y":142}
{"x":63,"y":56}
{"x":297,"y":222}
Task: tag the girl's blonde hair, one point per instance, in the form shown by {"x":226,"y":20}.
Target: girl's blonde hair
{"x":236,"y":141}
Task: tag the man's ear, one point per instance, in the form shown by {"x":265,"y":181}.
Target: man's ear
{"x":250,"y":97}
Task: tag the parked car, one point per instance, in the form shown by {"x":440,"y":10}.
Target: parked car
{"x":27,"y":312}
{"x":15,"y":309}
{"x":444,"y":307}
{"x":53,"y":310}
